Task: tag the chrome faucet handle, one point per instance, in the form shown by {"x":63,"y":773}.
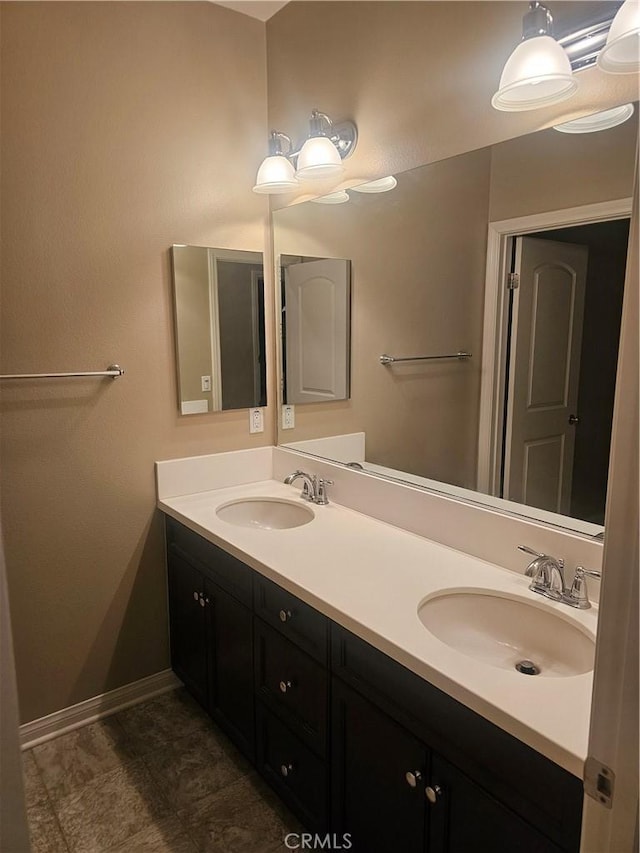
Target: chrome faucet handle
{"x":533,"y":553}
{"x":578,"y":595}
{"x":528,"y":550}
{"x":533,"y":565}
{"x":321,"y":491}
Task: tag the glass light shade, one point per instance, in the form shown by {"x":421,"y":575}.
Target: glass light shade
{"x":537,"y":74}
{"x":318,"y":158}
{"x":275,"y":175}
{"x":382,"y":185}
{"x":338,"y":197}
{"x":598,"y":121}
{"x":621,"y":53}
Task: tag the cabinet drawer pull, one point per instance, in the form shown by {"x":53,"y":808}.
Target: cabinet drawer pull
{"x":196,"y":597}
{"x":285,"y":686}
{"x":433,"y":792}
{"x":413,"y":777}
{"x":202,"y":602}
{"x":285,"y":615}
{"x":286,"y":769}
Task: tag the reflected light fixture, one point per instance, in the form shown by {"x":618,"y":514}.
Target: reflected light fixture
{"x":538,"y":73}
{"x":621,"y":53}
{"x":597,"y":121}
{"x":382,"y":185}
{"x":338,"y":197}
{"x":319,"y":158}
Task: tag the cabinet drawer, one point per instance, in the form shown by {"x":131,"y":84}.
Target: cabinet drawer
{"x":231,"y":574}
{"x":292,"y":617}
{"x":292,"y":769}
{"x":292,"y":685}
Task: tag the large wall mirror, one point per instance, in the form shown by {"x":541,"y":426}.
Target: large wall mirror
{"x":514,"y":256}
{"x":219,"y":320}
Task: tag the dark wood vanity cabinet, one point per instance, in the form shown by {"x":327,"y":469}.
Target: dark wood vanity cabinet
{"x":351,"y":740}
{"x":462,"y":784}
{"x":211,"y":630}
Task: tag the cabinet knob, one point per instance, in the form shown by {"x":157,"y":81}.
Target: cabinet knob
{"x":433,"y":792}
{"x":285,"y":686}
{"x":413,"y":777}
{"x":196,"y":596}
{"x":202,"y":602}
{"x":285,"y":615}
{"x":286,"y":769}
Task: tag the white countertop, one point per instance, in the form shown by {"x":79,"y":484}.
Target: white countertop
{"x":370,"y":577}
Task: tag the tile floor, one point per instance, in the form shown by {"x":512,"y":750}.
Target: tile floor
{"x":155,"y":778}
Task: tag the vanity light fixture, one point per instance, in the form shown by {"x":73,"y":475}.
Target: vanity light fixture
{"x":320,"y":156}
{"x":382,"y":185}
{"x":621,"y":53}
{"x":276,"y":173}
{"x":538,"y":72}
{"x":598,"y":121}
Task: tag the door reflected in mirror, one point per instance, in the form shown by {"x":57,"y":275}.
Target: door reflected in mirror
{"x":524,"y":425}
{"x":219,"y":323}
{"x":316,"y":308}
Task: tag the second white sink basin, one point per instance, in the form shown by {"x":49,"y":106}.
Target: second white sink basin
{"x":265,"y":513}
{"x":505,"y":632}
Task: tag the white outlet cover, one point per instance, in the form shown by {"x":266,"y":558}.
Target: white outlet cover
{"x":256,"y":420}
{"x":288,"y":417}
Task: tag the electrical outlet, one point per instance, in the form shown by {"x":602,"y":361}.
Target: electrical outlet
{"x":288,"y":417}
{"x":205,"y":383}
{"x":256,"y":420}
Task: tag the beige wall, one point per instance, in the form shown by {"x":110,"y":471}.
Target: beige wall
{"x":117,"y":120}
{"x":552,"y":171}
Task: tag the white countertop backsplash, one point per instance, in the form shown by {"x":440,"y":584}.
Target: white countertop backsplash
{"x":370,"y":576}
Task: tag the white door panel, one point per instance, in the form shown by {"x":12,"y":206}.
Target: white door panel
{"x":317,"y":299}
{"x":544,"y":372}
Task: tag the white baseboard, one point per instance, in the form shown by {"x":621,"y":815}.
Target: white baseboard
{"x":75,"y":716}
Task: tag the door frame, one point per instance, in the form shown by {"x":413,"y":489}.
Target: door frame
{"x":494,"y":330}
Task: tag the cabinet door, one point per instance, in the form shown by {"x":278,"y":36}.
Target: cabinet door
{"x":187,"y":626}
{"x":465,"y":819}
{"x":231,"y":666}
{"x":373,"y":797}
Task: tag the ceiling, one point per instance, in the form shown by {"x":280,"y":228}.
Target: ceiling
{"x":260,"y":9}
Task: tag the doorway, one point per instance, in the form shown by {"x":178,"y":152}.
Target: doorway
{"x":563,"y":325}
{"x":572,"y":462}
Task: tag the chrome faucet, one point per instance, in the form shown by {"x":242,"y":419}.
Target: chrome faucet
{"x":545,"y":573}
{"x":314,"y":488}
{"x":548,"y":580}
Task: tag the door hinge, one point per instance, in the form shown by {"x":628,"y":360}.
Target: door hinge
{"x":599,"y":781}
{"x":513,"y":281}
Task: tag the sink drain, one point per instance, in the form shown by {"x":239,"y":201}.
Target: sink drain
{"x":527,"y":667}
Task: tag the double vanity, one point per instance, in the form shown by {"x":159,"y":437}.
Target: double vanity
{"x":386,"y":686}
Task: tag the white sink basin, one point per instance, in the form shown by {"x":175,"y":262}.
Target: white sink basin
{"x":265,"y":513}
{"x":503,"y":631}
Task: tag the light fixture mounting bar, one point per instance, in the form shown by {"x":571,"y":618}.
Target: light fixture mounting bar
{"x":583,"y":46}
